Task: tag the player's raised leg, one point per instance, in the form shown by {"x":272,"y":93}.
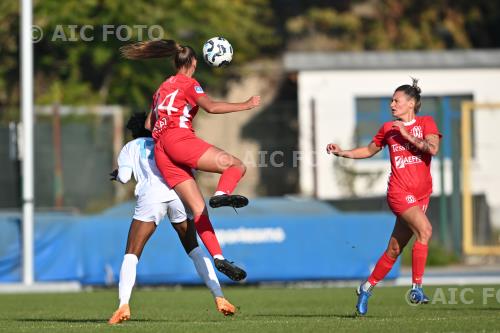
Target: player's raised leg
{"x":401,"y":235}
{"x":190,"y":195}
{"x":138,"y":235}
{"x":231,"y":169}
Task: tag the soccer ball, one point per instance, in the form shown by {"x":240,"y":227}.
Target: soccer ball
{"x":217,"y":52}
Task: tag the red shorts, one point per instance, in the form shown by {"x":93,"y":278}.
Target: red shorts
{"x":177,"y":151}
{"x":399,"y":202}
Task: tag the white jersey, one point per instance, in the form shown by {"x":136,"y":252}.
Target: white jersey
{"x":137,"y":157}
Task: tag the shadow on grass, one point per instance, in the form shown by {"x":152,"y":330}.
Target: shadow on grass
{"x":89,"y":320}
{"x":105,"y":320}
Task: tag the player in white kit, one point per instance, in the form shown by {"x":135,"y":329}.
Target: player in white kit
{"x":154,"y":201}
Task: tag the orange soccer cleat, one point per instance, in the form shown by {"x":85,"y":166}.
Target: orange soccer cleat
{"x":122,"y":314}
{"x":223,"y":306}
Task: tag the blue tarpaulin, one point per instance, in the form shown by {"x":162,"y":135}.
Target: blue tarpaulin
{"x":273,"y":239}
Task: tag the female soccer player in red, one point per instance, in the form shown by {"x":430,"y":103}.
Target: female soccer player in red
{"x":412,"y":141}
{"x":178,"y":150}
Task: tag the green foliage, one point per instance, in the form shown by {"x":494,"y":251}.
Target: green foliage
{"x":92,"y":71}
{"x":9,"y":69}
{"x":395,"y":24}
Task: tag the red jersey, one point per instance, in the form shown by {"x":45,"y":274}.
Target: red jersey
{"x":174,"y":104}
{"x":410,"y":167}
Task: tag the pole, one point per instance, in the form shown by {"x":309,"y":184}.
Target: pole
{"x":313,"y":148}
{"x":443,"y":209}
{"x":26,"y":51}
{"x":58,"y":169}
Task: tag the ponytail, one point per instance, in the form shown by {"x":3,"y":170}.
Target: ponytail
{"x":164,"y":48}
{"x":150,"y":49}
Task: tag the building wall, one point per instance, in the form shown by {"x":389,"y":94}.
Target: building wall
{"x":226,"y":132}
{"x":335,"y":94}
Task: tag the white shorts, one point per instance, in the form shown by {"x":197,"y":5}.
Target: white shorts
{"x":155,"y":212}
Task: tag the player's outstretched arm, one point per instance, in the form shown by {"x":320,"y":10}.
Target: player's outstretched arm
{"x":218,"y":107}
{"x":356,"y":153}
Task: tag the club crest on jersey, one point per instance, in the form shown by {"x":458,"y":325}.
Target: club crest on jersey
{"x":416,"y":131}
{"x":410,"y":199}
{"x":198,"y":89}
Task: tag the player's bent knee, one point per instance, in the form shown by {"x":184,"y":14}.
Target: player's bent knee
{"x":424,"y":235}
{"x":427,"y":232}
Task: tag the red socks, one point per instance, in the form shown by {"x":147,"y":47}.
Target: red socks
{"x":419,"y":258}
{"x":385,"y":263}
{"x":229,"y":179}
{"x":207,"y":234}
{"x":381,"y":269}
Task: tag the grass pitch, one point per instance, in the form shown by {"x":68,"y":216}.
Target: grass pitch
{"x":260,"y":310}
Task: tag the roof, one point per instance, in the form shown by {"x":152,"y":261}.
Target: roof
{"x":303,"y":61}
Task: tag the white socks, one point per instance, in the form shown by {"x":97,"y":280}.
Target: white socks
{"x":219,"y":193}
{"x":206,"y":271}
{"x":202,"y":263}
{"x":366,"y":286}
{"x":127,"y":277}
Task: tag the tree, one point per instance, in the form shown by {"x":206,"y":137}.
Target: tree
{"x":79,"y":48}
{"x":394,"y":24}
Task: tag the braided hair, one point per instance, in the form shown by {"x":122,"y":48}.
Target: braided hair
{"x":136,"y":125}
{"x":412,"y":91}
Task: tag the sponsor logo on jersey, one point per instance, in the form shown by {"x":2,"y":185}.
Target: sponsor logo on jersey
{"x":410,"y":199}
{"x":402,"y":161}
{"x":160,"y":124}
{"x":198,"y":89}
{"x":397,"y":147}
{"x":416,"y":131}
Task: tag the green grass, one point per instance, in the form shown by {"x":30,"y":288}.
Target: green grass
{"x":260,"y":310}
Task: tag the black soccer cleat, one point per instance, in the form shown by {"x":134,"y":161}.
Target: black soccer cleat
{"x":235,"y":201}
{"x":229,"y":269}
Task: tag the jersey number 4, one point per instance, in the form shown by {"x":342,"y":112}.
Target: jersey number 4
{"x":169,"y":107}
